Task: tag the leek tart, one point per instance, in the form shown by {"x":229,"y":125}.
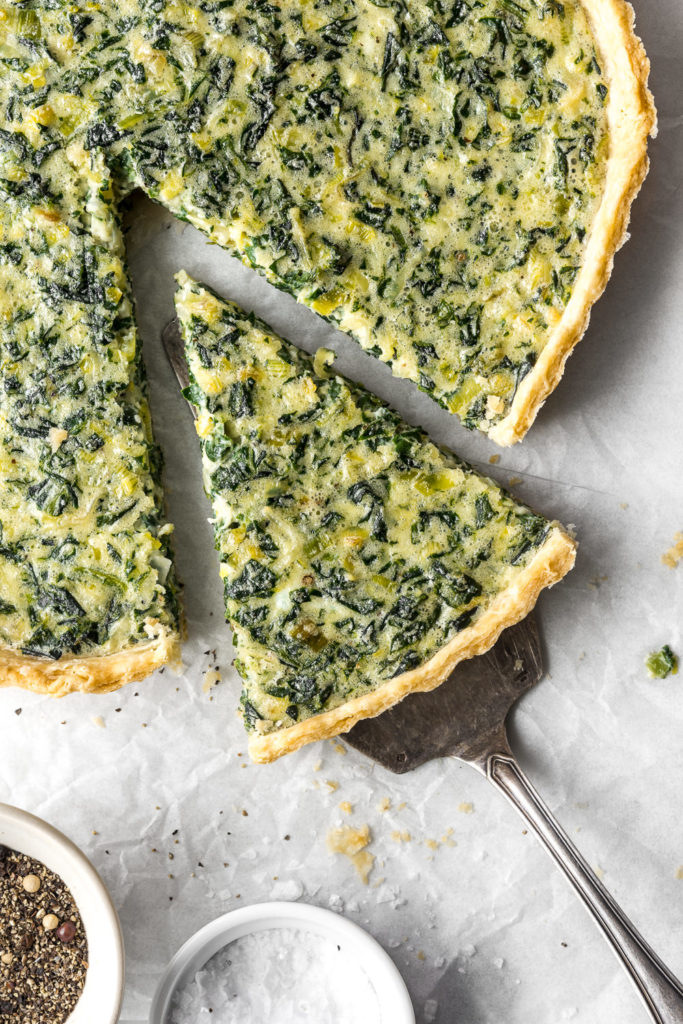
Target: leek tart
{"x":87,"y":601}
{"x":360,"y":561}
{"x":447,"y":180}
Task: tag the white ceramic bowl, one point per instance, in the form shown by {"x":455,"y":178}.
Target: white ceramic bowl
{"x":392,"y":993}
{"x":103,"y":990}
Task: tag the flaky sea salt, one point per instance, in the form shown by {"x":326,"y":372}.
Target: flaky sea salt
{"x":283,"y":976}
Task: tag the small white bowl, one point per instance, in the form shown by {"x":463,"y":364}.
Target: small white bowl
{"x":103,"y":990}
{"x":389,"y":986}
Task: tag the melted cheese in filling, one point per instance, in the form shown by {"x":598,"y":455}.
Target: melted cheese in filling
{"x":352,"y":548}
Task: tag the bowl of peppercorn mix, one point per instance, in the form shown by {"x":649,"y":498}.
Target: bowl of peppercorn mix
{"x":61,"y":950}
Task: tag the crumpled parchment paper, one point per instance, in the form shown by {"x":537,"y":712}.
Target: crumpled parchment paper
{"x":154,"y":781}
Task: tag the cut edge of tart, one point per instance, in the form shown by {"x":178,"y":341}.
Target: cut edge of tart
{"x":91,"y":673}
{"x":631,"y":119}
{"x":549,"y":565}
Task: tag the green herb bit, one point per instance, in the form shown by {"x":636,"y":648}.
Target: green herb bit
{"x":661,"y":664}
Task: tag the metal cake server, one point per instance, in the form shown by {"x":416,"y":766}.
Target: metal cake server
{"x":466,"y":718}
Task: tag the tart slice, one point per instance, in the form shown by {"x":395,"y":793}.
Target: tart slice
{"x":361,"y":562}
{"x":87,"y":596}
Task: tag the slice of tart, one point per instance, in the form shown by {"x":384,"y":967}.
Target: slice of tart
{"x":361,"y":562}
{"x":87,"y":601}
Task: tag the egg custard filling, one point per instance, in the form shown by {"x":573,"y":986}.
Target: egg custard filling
{"x":446,"y":181}
{"x":87,"y":594}
{"x":360,"y":561}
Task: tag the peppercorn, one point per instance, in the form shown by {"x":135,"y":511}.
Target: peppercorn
{"x":66,"y":931}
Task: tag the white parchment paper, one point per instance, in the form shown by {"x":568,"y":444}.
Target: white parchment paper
{"x":154,"y":781}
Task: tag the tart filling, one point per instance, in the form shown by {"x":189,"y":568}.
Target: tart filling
{"x":446,"y":181}
{"x":360,"y":561}
{"x":87,"y":600}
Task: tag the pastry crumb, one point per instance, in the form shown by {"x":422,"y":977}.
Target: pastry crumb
{"x":466,"y":808}
{"x":211,"y":677}
{"x":384,"y":804}
{"x":352,"y":843}
{"x":346,"y":807}
{"x":401,"y":836}
{"x":674,"y":554}
{"x":493,"y":459}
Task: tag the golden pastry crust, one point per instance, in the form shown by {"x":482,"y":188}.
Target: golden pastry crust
{"x":59,"y":677}
{"x":631,"y":118}
{"x":549,"y":565}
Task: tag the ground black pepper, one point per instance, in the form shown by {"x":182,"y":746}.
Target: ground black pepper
{"x":42,"y":972}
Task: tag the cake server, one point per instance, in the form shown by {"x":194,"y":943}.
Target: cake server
{"x":466,"y":717}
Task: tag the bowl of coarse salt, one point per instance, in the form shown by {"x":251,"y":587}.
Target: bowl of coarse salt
{"x":62,"y":953}
{"x":285,"y":962}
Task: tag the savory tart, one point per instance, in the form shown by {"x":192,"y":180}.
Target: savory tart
{"x":447,"y":181}
{"x":360,"y":562}
{"x":87,"y":601}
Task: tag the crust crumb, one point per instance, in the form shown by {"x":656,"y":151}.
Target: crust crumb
{"x":466,"y":808}
{"x":401,"y":836}
{"x":352,"y":842}
{"x":211,"y":677}
{"x":446,"y":840}
{"x":674,"y":555}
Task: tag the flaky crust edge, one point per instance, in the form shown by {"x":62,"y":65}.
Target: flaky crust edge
{"x":631,"y":118}
{"x":93,"y":674}
{"x":554,"y":559}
